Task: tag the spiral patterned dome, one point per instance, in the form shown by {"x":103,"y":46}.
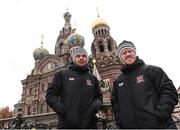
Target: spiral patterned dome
{"x":99,"y":21}
{"x":40,"y":53}
{"x":75,"y":39}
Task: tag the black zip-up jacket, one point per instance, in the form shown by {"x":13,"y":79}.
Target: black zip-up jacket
{"x":143,"y":97}
{"x":75,"y":96}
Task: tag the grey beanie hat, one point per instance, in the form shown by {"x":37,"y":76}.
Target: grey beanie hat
{"x":76,"y":50}
{"x":123,"y":45}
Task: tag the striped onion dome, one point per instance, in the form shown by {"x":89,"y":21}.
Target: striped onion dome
{"x":40,"y":53}
{"x":75,"y":39}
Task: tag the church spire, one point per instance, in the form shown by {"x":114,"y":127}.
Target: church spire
{"x":42,"y":39}
{"x":97,"y":12}
{"x":67,"y":18}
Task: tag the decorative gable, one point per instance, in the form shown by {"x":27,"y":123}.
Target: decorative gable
{"x":48,"y":64}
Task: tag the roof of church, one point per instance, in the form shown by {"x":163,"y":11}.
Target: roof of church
{"x":99,"y":21}
{"x":40,"y":53}
{"x":75,"y":39}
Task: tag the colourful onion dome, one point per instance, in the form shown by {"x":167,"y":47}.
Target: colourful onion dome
{"x":75,"y":39}
{"x":99,"y":21}
{"x":40,"y":53}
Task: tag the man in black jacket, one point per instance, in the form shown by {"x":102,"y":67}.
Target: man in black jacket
{"x":143,"y":96}
{"x":79,"y":93}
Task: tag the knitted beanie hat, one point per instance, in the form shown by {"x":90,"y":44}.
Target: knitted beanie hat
{"x":123,"y":45}
{"x":77,"y":50}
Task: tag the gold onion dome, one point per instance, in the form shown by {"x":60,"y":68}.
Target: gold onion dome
{"x":40,"y":53}
{"x":99,"y":21}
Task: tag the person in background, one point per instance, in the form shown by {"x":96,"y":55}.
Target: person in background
{"x":143,"y":96}
{"x":74,"y":93}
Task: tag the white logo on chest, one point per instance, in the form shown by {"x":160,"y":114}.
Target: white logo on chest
{"x":121,"y":84}
{"x":139,"y":79}
{"x":88,"y":82}
{"x":71,"y":79}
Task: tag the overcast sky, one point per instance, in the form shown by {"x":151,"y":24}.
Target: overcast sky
{"x":152,"y":25}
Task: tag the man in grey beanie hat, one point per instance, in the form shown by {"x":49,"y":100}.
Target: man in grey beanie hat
{"x":126,"y":45}
{"x":143,"y":96}
{"x":79,"y":55}
{"x":79,"y":92}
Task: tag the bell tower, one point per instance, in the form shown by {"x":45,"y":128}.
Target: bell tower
{"x":104,"y":51}
{"x":106,"y":66}
{"x":62,"y":47}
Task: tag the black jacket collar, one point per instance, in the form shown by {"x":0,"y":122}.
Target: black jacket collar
{"x":79,"y":69}
{"x":129,"y":68}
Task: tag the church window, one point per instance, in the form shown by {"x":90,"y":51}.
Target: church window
{"x":55,"y":65}
{"x":42,"y":108}
{"x":50,"y":66}
{"x":42,"y":87}
{"x":30,"y":91}
{"x":101,"y":47}
{"x":29,"y":110}
{"x":109,"y":45}
{"x":99,"y":32}
{"x":19,"y":110}
{"x":61,"y":46}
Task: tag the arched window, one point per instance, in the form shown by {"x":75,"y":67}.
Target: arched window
{"x":101,"y":47}
{"x":61,"y":47}
{"x":30,"y":91}
{"x":102,"y":32}
{"x":110,"y":45}
{"x":42,"y":108}
{"x":99,"y":32}
{"x":55,"y":65}
{"x":42,"y":87}
{"x":105,"y":31}
{"x":29,"y":110}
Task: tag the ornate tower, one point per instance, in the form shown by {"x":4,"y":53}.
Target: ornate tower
{"x":104,"y":51}
{"x":62,"y":47}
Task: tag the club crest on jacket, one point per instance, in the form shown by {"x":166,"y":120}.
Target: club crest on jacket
{"x":140,"y":79}
{"x":88,"y":82}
